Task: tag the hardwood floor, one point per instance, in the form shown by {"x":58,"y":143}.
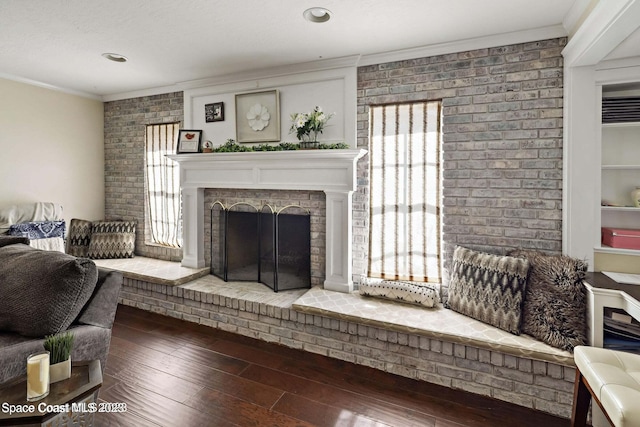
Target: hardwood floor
{"x":174,"y":373}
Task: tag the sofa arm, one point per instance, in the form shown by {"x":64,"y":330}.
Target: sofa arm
{"x":12,"y":240}
{"x":101,"y":308}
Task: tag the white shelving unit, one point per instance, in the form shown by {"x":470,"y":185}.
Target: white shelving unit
{"x":620,"y":175}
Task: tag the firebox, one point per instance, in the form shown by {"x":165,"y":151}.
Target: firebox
{"x":266,"y":245}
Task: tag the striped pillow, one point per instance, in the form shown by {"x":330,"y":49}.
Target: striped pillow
{"x":112,"y":239}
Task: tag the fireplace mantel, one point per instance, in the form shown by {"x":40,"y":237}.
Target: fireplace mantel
{"x":331,"y":171}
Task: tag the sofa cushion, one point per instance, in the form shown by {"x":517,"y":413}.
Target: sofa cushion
{"x":555,"y":305}
{"x":422,"y":294}
{"x":42,"y":292}
{"x":79,"y":237}
{"x":489,"y":288}
{"x":101,"y":308}
{"x":112,"y":239}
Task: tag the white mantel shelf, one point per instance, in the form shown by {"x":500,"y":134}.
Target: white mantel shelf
{"x":331,"y":171}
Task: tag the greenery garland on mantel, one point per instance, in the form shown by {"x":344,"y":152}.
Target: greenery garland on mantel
{"x":231,"y":146}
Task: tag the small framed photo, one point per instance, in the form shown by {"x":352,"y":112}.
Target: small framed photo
{"x":214,"y":112}
{"x":258,"y":116}
{"x":189,"y":141}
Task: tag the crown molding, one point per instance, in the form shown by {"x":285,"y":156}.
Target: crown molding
{"x":608,"y":25}
{"x":354,"y":61}
{"x":464,"y":45}
{"x":578,"y":11}
{"x":244,"y":76}
{"x":50,"y":87}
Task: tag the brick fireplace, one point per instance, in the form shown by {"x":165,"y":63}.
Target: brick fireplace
{"x":330,"y":171}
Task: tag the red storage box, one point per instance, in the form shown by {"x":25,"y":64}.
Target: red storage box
{"x":622,"y":238}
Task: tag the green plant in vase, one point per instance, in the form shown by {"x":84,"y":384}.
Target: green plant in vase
{"x":59,"y":348}
{"x":307,"y":126}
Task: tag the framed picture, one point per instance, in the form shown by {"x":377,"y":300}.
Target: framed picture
{"x":214,"y":112}
{"x":189,"y":141}
{"x":258,"y":116}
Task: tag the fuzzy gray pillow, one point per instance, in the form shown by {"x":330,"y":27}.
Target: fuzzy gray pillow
{"x":42,"y":292}
{"x":555,"y":305}
{"x":489,"y":288}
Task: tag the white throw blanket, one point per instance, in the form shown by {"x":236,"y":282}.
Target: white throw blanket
{"x":27,"y":212}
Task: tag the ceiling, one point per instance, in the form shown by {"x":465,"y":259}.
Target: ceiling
{"x":59,"y":42}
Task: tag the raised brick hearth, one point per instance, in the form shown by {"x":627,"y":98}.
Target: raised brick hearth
{"x":471,"y":356}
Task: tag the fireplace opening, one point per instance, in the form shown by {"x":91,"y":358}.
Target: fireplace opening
{"x":265,"y":245}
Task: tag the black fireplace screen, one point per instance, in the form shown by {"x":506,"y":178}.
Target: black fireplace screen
{"x":265,"y":245}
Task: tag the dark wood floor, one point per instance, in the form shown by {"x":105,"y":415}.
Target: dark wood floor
{"x":175,"y":373}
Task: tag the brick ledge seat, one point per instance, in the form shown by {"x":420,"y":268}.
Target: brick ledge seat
{"x":438,"y":323}
{"x":152,"y":270}
{"x":481,"y":367}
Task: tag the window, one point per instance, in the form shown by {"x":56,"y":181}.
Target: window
{"x":163,"y":185}
{"x":404,"y":240}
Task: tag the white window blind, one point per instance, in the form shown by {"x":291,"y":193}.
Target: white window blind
{"x":405,"y":191}
{"x":163,"y":185}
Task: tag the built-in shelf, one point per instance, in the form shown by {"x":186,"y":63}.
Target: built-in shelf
{"x":620,"y":167}
{"x":621,"y":124}
{"x":620,"y":174}
{"x":617,"y":251}
{"x":621,"y":208}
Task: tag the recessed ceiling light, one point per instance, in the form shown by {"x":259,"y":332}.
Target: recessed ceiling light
{"x":317,"y":14}
{"x":116,"y":57}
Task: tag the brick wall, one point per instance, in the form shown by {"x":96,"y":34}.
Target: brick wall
{"x":502,"y":115}
{"x":502,"y":143}
{"x":124,"y":130}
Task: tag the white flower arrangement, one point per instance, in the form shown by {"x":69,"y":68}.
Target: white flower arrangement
{"x":307,"y":126}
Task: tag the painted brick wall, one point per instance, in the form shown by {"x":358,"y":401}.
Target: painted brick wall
{"x":502,"y":149}
{"x":502,"y":143}
{"x":124,"y":130}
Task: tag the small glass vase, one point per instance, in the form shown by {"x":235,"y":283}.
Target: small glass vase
{"x":309,"y":140}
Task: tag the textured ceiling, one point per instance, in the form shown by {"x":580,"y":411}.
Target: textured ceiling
{"x":60,"y":42}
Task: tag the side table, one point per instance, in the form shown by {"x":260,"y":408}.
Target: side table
{"x":70,"y":402}
{"x":605,"y":292}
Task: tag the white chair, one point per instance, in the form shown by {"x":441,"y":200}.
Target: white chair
{"x":612,"y":379}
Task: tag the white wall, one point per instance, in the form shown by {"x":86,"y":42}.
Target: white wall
{"x":51,"y":149}
{"x":334,"y":90}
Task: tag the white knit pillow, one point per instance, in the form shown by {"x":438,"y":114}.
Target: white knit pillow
{"x":423,"y":294}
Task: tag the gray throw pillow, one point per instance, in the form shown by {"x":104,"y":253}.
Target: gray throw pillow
{"x":79,"y":237}
{"x":555,"y":305}
{"x":112,"y":239}
{"x":489,"y":288}
{"x":42,"y":292}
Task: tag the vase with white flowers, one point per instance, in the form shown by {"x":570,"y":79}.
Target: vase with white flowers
{"x":307,"y":126}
